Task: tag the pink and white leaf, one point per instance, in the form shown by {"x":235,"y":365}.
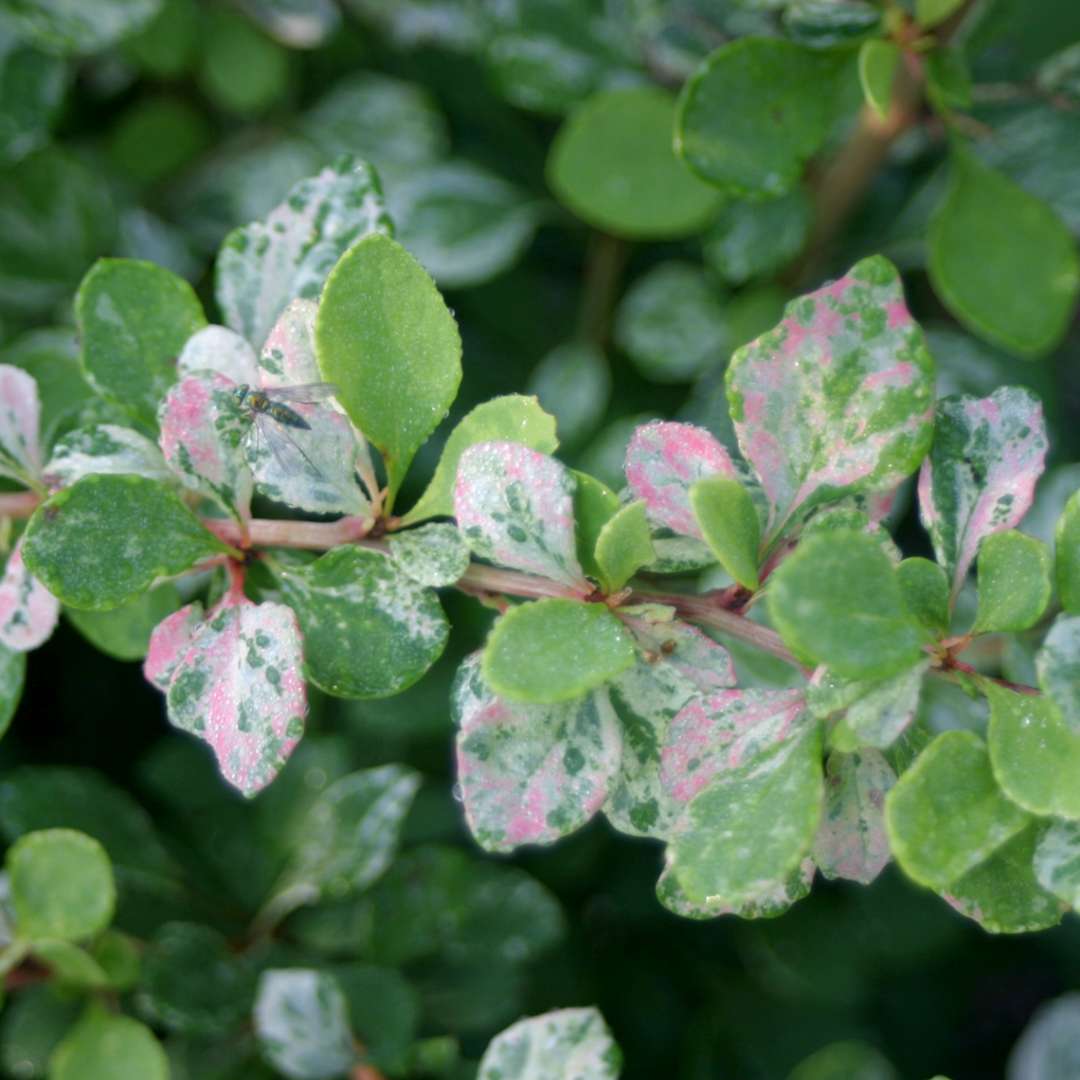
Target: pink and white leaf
{"x":203,"y":428}
{"x":104,"y":448}
{"x":170,"y":642}
{"x":980,"y":476}
{"x":221,"y":350}
{"x":236,"y":682}
{"x":663,"y":460}
{"x":530,"y":774}
{"x":287,"y":357}
{"x":20,"y":418}
{"x":836,"y":399}
{"x":28,"y":611}
{"x":851,"y":842}
{"x":515,"y":507}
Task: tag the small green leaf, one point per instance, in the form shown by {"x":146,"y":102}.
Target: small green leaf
{"x":624,"y":546}
{"x":1067,"y":555}
{"x":81,"y":542}
{"x":729,"y":523}
{"x":877,"y":68}
{"x":61,"y":885}
{"x":947,"y":814}
{"x":70,"y":965}
{"x":33,"y":85}
{"x":124,"y":632}
{"x":512,"y":418}
{"x":925,"y":592}
{"x":88,"y":27}
{"x":837,"y":601}
{"x":119,"y":957}
{"x":931,"y":12}
{"x":844,"y":1061}
{"x":1014,"y":582}
{"x":595,"y":504}
{"x":1035,"y":754}
{"x":240,"y":69}
{"x":563,"y":1043}
{"x":134,"y":318}
{"x":369,"y":630}
{"x":612,"y":164}
{"x":107,"y":1046}
{"x":553,"y":650}
{"x":34,"y":1022}
{"x":1058,"y":665}
{"x":1002,"y":261}
{"x":1057,"y":861}
{"x":434,"y":554}
{"x":948,"y":79}
{"x":384,"y":1012}
{"x":385,"y":337}
{"x":745,"y":120}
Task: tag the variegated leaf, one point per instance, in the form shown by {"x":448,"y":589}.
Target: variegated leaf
{"x":104,"y":448}
{"x":1058,"y":665}
{"x":234,"y":680}
{"x":980,"y":476}
{"x":433,"y":554}
{"x":20,"y":416}
{"x":566,"y":1044}
{"x":838,"y":398}
{"x":530,"y":774}
{"x":663,"y":461}
{"x":28,"y":611}
{"x":851,"y":842}
{"x":1057,"y":861}
{"x":773,"y":899}
{"x":287,"y":357}
{"x":264,"y":265}
{"x":217,"y":348}
{"x":203,"y":427}
{"x":515,"y":507}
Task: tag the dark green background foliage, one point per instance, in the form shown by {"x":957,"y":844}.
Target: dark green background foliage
{"x":155,"y":146}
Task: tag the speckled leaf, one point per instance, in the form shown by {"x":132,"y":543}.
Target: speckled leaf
{"x":433,"y":554}
{"x":264,"y":265}
{"x":287,"y":357}
{"x":623,"y":546}
{"x":947,"y":814}
{"x":1048,"y":1048}
{"x":729,"y":523}
{"x":104,"y":448}
{"x":512,"y":418}
{"x":838,"y":398}
{"x":203,"y":426}
{"x":369,"y":630}
{"x":980,"y":476}
{"x":28,"y":611}
{"x":1067,"y":555}
{"x":302,"y":1024}
{"x":1057,"y":861}
{"x":235,"y":682}
{"x":554,"y":650}
{"x":754,"y":823}
{"x":217,"y":348}
{"x":20,"y":416}
{"x":1002,"y":893}
{"x":530,"y":774}
{"x":12,"y":677}
{"x":568,"y":1044}
{"x":515,"y":507}
{"x":663,"y":461}
{"x":851,"y":841}
{"x":773,"y":898}
{"x":134,"y":319}
{"x":1014,"y":582}
{"x":1058,"y":665}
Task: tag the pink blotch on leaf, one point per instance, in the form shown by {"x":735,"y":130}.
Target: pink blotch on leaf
{"x":169,"y":641}
{"x":20,"y":415}
{"x":28,"y":611}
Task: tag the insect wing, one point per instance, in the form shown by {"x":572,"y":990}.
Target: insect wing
{"x":307,"y":393}
{"x":284,"y":449}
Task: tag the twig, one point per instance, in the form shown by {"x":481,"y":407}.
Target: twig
{"x":604,"y":264}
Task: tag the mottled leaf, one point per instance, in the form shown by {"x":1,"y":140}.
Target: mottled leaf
{"x":1058,"y":665}
{"x":28,"y":611}
{"x":729,"y":523}
{"x":837,"y":399}
{"x":217,"y":348}
{"x":530,"y":774}
{"x":980,"y":476}
{"x":104,"y":448}
{"x":264,"y":265}
{"x":565,"y":1043}
{"x":1057,"y":861}
{"x":433,"y":554}
{"x":877,"y":712}
{"x":1014,"y":582}
{"x":20,"y":417}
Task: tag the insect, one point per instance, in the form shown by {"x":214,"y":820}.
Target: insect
{"x":265,"y":405}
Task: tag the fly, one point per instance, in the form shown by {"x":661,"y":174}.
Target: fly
{"x":270,"y":404}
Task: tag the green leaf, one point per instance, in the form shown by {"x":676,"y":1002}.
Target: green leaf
{"x":511,"y":418}
{"x":166,"y":45}
{"x":822,"y":23}
{"x":595,"y":504}
{"x":1067,"y":555}
{"x":263,"y":266}
{"x":946,"y":814}
{"x":12,"y":677}
{"x":70,"y":965}
{"x":302,"y":1024}
{"x":745,"y":119}
{"x":156,"y":138}
{"x":74,"y":539}
{"x":34,"y":1021}
{"x":1058,"y":665}
{"x":877,"y":68}
{"x":931,"y":12}
{"x":386,"y":338}
{"x":563,"y":1043}
{"x":134,"y":318}
{"x":612,"y":164}
{"x":384,"y":1011}
{"x":1002,"y":894}
{"x":624,"y":546}
{"x":771,"y":809}
{"x":433,"y":554}
{"x":1035,"y":753}
{"x":240,"y":69}
{"x":119,"y":957}
{"x":107,"y":1046}
{"x":837,"y":601}
{"x":553,"y":650}
{"x":32,"y":86}
{"x":61,"y":885}
{"x":369,"y":631}
{"x":124,"y":632}
{"x":925,"y":592}
{"x":844,"y":1061}
{"x":573,"y":383}
{"x":1014,"y":582}
{"x":88,"y":27}
{"x":193,"y":982}
{"x":1057,"y":861}
{"x":771,"y":900}
{"x":729,"y":522}
{"x":948,"y":79}
{"x":1002,"y":261}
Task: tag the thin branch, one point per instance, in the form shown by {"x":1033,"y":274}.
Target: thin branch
{"x":604,"y":264}
{"x":18,"y":504}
